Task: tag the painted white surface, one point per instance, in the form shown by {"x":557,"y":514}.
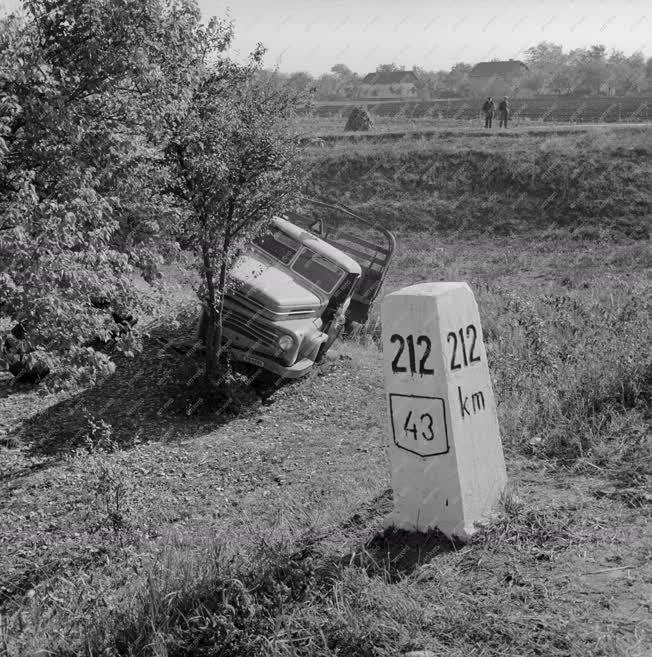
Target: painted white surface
{"x":444,"y":446}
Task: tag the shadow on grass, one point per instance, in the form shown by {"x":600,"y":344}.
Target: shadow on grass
{"x":8,"y":387}
{"x":391,"y":554}
{"x":156,"y":397}
{"x":396,"y":553}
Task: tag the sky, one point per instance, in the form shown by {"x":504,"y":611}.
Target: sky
{"x":313,"y":35}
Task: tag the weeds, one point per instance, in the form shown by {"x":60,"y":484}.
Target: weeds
{"x":541,"y":533}
{"x":286,"y":600}
{"x":571,"y":365}
{"x":108,"y":485}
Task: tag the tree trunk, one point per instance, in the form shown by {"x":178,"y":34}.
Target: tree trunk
{"x":214,"y":328}
{"x":211,"y":362}
{"x":219,"y":327}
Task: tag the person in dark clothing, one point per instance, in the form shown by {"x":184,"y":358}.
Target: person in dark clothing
{"x":503,"y":112}
{"x":489,"y":109}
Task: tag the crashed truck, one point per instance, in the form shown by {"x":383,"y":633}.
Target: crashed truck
{"x":299,"y":284}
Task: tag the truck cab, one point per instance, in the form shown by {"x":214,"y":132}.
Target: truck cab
{"x":291,"y":294}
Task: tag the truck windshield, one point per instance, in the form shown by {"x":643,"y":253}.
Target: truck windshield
{"x":318,"y":270}
{"x":278,"y":245}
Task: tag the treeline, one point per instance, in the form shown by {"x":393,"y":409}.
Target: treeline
{"x":582,"y":71}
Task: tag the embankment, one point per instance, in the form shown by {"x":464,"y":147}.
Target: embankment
{"x":591,"y":182}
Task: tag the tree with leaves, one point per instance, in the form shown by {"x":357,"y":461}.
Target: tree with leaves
{"x":233,"y":161}
{"x":590,"y":69}
{"x":388,"y":68}
{"x":301,"y":81}
{"x":626,"y":74}
{"x":86,"y":91}
{"x":458,"y":79}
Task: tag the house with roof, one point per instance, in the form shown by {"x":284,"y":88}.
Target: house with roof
{"x":498,"y":78}
{"x":383,"y":85}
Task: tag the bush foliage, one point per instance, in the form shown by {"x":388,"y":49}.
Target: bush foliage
{"x":115,"y":120}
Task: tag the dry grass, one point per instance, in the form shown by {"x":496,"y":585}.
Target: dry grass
{"x":589,"y":183}
{"x":134,"y":526}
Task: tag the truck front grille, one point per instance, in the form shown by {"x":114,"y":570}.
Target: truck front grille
{"x":250,"y":327}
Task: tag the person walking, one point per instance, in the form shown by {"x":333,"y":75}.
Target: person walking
{"x":503,"y":112}
{"x":489,"y":109}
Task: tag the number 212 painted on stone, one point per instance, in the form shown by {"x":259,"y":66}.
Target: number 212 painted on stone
{"x":470,"y":329}
{"x":421,"y":340}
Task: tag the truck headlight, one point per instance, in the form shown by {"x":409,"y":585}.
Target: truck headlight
{"x":285,"y":342}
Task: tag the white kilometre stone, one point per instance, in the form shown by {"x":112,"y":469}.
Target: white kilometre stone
{"x":446,"y":456}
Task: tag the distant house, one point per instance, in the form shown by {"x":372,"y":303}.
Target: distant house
{"x":388,"y":84}
{"x":498,"y":78}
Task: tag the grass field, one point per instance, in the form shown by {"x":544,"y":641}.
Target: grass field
{"x":538,"y":109}
{"x":134,"y":525}
{"x":321,"y":131}
{"x":395,"y":119}
{"x":591,"y":181}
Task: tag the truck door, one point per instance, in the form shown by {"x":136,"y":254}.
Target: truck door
{"x":370,"y":245}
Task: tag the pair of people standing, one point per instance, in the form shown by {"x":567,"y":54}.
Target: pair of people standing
{"x":489,"y":109}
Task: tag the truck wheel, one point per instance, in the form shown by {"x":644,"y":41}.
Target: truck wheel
{"x":349,"y":326}
{"x":332,"y":336}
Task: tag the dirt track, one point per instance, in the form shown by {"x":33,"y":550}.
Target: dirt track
{"x":459,"y":131}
